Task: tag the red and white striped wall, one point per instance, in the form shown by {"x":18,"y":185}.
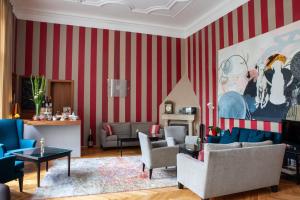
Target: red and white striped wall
{"x":151,"y":64}
{"x":253,"y":18}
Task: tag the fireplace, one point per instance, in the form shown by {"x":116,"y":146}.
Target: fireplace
{"x":180,"y":123}
{"x":180,"y":119}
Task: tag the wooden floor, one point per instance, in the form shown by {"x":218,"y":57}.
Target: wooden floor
{"x":288,"y":190}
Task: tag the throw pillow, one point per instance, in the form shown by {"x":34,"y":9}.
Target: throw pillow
{"x":228,"y":138}
{"x":108,"y":130}
{"x":254,"y":144}
{"x":154,"y":130}
{"x":257,"y":138}
{"x":212,"y":147}
{"x":201,"y":156}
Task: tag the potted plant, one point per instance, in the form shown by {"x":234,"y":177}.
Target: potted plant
{"x":38,"y":84}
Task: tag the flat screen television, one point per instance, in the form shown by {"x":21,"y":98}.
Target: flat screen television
{"x":291,"y":132}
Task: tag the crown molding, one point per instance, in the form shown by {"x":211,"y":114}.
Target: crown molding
{"x":106,"y":23}
{"x":96,"y":22}
{"x":219,"y":11}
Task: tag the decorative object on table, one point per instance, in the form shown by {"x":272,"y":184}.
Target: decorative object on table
{"x":100,"y":175}
{"x":214,"y":130}
{"x":42,"y":144}
{"x":73,"y":117}
{"x":16,"y":111}
{"x":261,"y":84}
{"x":38,"y":85}
{"x":169,"y":107}
{"x":188,"y":110}
{"x":90,"y":140}
{"x":67,"y":110}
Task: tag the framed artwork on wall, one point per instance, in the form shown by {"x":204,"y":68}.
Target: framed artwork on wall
{"x":260,"y":77}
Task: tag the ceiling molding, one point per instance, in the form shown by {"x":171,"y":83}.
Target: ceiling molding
{"x":101,"y":3}
{"x":152,"y":10}
{"x":168,"y":7}
{"x":131,"y":26}
{"x":214,"y":14}
{"x":96,"y":22}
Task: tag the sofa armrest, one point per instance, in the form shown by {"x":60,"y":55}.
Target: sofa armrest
{"x":26,"y":143}
{"x":157,"y":144}
{"x":103,"y":136}
{"x":163,"y":155}
{"x":2,"y":150}
{"x":213,"y":139}
{"x":191,"y":173}
{"x":170,"y":141}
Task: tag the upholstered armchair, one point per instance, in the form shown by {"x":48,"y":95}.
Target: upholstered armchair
{"x":156,"y":154}
{"x":177,"y":135}
{"x":9,"y":171}
{"x":11,"y":140}
{"x":11,"y":137}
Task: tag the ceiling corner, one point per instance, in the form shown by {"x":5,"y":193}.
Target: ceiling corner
{"x":212,"y":15}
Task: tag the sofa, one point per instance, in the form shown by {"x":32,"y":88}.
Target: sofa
{"x":124,"y":130}
{"x":233,"y":170}
{"x":245,"y":135}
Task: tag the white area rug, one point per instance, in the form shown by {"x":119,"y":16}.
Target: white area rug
{"x":101,"y":175}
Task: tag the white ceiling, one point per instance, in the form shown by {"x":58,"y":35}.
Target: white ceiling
{"x":176,"y":18}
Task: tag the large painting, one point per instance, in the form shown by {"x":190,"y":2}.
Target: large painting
{"x":260,"y":78}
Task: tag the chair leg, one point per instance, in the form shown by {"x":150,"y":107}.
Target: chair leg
{"x":143,"y":167}
{"x":21,"y":183}
{"x":180,"y":186}
{"x":150,"y":173}
{"x":274,"y":188}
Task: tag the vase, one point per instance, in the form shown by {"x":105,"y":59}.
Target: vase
{"x":37,"y":109}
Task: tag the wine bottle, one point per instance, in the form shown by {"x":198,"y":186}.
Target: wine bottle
{"x":90,"y":140}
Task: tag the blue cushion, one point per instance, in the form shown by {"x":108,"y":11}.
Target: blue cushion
{"x":228,"y":138}
{"x":268,"y":135}
{"x":9,"y":134}
{"x":277,"y":138}
{"x":258,"y":138}
{"x":213,"y":139}
{"x":244,"y":135}
{"x":235,"y":132}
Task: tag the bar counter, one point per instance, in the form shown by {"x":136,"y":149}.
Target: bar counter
{"x":62,"y":134}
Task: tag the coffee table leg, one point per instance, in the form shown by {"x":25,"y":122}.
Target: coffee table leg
{"x":38,"y":173}
{"x":46,"y":166}
{"x":121,"y":148}
{"x":69,"y":163}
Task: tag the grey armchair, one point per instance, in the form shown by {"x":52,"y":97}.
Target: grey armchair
{"x":177,"y":135}
{"x":156,"y":154}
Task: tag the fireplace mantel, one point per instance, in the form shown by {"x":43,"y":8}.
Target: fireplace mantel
{"x":189,"y":119}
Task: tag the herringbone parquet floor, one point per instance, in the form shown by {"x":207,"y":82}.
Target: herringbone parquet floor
{"x":288,"y":190}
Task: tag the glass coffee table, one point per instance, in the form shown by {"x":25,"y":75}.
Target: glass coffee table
{"x":36,"y":156}
{"x":190,"y":149}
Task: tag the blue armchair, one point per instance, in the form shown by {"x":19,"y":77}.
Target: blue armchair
{"x":11,"y":137}
{"x":9,"y":171}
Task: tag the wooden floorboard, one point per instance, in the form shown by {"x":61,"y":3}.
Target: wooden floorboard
{"x":288,"y":190}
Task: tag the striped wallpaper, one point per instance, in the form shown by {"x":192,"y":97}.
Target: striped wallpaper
{"x":253,"y":18}
{"x":151,"y":64}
